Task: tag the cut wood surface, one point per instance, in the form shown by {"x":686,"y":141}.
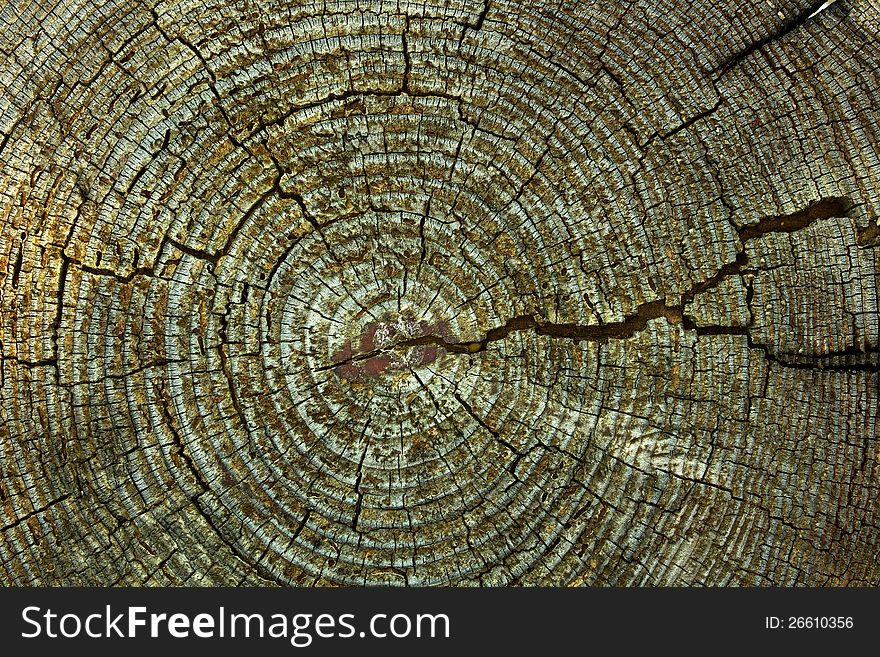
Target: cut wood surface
{"x":439,"y":293}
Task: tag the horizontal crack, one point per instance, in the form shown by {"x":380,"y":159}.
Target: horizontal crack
{"x":630,"y":325}
{"x":822,"y":209}
{"x":834,"y":206}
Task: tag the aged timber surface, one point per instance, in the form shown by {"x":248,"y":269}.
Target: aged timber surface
{"x":452,"y":292}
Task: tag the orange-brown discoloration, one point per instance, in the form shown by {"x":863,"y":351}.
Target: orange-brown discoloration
{"x":379,"y":349}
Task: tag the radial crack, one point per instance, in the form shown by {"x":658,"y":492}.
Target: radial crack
{"x":787,"y":27}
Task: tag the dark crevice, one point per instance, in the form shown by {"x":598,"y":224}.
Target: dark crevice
{"x":789,"y":223}
{"x":470,"y":411}
{"x":730,"y":269}
{"x":407,"y":67}
{"x":475,"y":124}
{"x":105,"y":271}
{"x":826,"y":208}
{"x":587,"y":84}
{"x":626,"y":328}
{"x":476,"y":26}
{"x":829,"y":362}
{"x":787,"y":27}
{"x":823,"y":366}
{"x":823,"y":209}
{"x":35,"y":512}
{"x":689,"y":122}
{"x":137,"y":176}
{"x":213,"y":84}
{"x":716,"y":330}
{"x":358,"y":491}
{"x":302,"y":524}
{"x":16,"y":269}
{"x":422,"y":241}
{"x":632,"y":324}
{"x":59,"y":312}
{"x":162,"y":362}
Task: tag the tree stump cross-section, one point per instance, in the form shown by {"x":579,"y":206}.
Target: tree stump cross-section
{"x":439,"y":293}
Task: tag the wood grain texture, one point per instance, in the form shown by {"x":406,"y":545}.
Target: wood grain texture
{"x":422,"y":293}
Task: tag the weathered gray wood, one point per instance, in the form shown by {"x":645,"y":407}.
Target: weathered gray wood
{"x":439,"y":293}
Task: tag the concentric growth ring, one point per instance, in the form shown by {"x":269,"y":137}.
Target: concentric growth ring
{"x":460,"y":294}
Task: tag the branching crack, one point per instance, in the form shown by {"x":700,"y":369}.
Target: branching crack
{"x":633,"y":324}
{"x":476,"y":26}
